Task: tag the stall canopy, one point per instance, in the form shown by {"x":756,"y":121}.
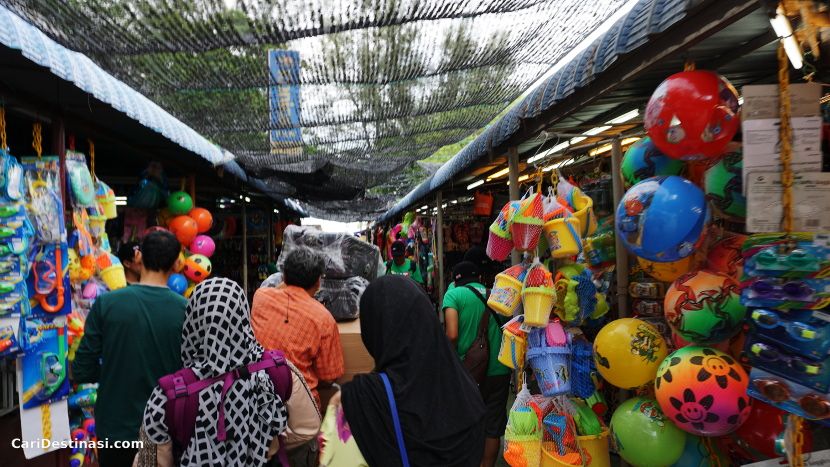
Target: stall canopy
{"x":611,"y":78}
{"x":328,"y":102}
{"x":87,"y":77}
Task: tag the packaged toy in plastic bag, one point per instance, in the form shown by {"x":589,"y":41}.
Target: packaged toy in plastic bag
{"x":523,"y":435}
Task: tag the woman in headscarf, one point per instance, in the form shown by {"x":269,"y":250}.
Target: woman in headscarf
{"x":440,"y":423}
{"x":216,"y":338}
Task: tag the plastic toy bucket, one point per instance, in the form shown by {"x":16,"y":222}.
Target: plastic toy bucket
{"x":563,"y":237}
{"x":596,"y":448}
{"x":551,"y":366}
{"x":537,"y":303}
{"x":584,"y":212}
{"x":551,"y":460}
{"x":97,"y":226}
{"x":512,"y":350}
{"x":506,"y":295}
{"x":525,"y":236}
{"x":114,"y":277}
{"x":524,"y":452}
{"x":498,"y":247}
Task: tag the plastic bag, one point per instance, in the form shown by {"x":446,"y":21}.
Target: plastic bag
{"x":523,"y":435}
{"x":346,"y":256}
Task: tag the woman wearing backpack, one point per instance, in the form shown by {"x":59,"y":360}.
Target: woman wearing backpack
{"x":416,"y":407}
{"x":218,"y":343}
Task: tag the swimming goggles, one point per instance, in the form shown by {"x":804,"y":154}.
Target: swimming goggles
{"x":778,"y":391}
{"x":769,"y":354}
{"x":778,"y":290}
{"x":767,"y":319}
{"x":796,"y":260}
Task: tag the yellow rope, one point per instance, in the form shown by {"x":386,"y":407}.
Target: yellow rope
{"x":4,"y":144}
{"x":795,"y":458}
{"x":92,"y":158}
{"x":37,"y":139}
{"x":786,"y":139}
{"x":46,"y":422}
{"x":714,"y":459}
{"x":689,"y":65}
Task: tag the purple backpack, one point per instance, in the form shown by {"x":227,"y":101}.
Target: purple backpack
{"x":182,"y":389}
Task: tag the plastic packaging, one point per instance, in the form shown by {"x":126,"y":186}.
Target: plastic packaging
{"x":346,"y":256}
{"x":342,"y":297}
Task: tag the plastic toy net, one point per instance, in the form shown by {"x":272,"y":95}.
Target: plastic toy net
{"x":376,"y":86}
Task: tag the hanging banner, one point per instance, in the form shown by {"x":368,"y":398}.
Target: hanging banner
{"x":284,"y":100}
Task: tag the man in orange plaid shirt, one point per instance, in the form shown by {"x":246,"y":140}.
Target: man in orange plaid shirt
{"x":288,"y":318}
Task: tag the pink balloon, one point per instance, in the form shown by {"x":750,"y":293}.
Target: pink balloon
{"x":203,"y":245}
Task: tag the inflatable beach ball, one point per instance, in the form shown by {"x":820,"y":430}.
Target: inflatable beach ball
{"x":725,"y":256}
{"x":628,"y":351}
{"x":703,"y":391}
{"x":693,"y":115}
{"x":197,"y":268}
{"x":179,"y":203}
{"x":723,"y":184}
{"x":644,"y":436}
{"x":666,"y":272}
{"x":643,"y":160}
{"x":662,"y":218}
{"x":704,"y":307}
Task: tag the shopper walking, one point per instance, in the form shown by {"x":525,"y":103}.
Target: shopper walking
{"x":132,"y":337}
{"x":288,"y":318}
{"x":400,"y":265}
{"x":440,"y":424}
{"x":217,"y":339}
{"x":464,"y":308}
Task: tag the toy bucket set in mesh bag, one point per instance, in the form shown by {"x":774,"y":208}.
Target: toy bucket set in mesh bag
{"x":548,"y":432}
{"x":568,"y":217}
{"x":518,"y":225}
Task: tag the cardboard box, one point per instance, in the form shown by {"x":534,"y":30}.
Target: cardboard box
{"x":355,"y":355}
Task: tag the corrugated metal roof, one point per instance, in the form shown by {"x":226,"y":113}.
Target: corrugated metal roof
{"x":76,"y":68}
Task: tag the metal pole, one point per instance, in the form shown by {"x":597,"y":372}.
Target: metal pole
{"x":244,"y":246}
{"x":439,"y":241}
{"x":513,"y":176}
{"x":622,"y":253}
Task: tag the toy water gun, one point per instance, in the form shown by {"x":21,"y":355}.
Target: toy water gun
{"x":75,"y":323}
{"x":79,"y":453}
{"x":85,"y":396}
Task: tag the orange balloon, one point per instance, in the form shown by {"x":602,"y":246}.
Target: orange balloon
{"x":184,"y":228}
{"x":203,"y":218}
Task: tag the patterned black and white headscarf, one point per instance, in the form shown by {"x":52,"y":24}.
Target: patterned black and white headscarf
{"x":216,"y":338}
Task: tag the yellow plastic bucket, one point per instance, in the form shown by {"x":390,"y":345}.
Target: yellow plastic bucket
{"x":538,"y":303}
{"x":595,"y":449}
{"x":584,"y":206}
{"x":563,"y":236}
{"x":506,"y":295}
{"x":512,"y":350}
{"x":114,"y":277}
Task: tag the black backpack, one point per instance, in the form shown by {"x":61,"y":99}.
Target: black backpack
{"x":477,"y":358}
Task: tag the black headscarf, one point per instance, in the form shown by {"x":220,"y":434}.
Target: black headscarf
{"x":439,"y":405}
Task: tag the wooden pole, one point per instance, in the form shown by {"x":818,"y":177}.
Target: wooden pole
{"x":622,"y":253}
{"x":513,"y":176}
{"x":439,"y":241}
{"x":245,"y":246}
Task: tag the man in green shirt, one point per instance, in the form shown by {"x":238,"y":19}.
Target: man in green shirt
{"x":131,"y":339}
{"x":463,"y":311}
{"x":401,"y":265}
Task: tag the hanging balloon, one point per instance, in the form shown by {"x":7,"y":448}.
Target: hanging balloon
{"x":184,"y":228}
{"x":723,"y":184}
{"x":703,"y":391}
{"x":704,"y":307}
{"x":644,"y":435}
{"x":203,"y":218}
{"x":179,"y":203}
{"x":725,"y":256}
{"x":203,"y":245}
{"x":643,"y":160}
{"x":666,"y":272}
{"x":662,"y":218}
{"x":189,"y":291}
{"x":197,"y":268}
{"x":693,"y":115}
{"x":178,"y":266}
{"x":628,"y":351}
{"x":177,"y":283}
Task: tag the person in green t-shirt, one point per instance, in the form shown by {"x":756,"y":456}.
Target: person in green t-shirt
{"x":132,"y":337}
{"x":400,"y":265}
{"x":463,"y":311}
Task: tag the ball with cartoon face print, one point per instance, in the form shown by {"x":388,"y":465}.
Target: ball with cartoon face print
{"x":703,"y":391}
